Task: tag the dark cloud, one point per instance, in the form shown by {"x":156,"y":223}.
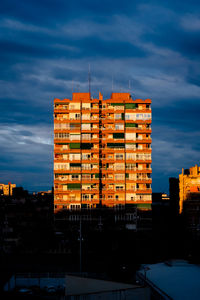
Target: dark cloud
{"x":152,"y":48}
{"x":51,"y":11}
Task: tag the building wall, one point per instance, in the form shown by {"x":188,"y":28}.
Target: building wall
{"x":102,"y":151}
{"x":189,"y":182}
{"x":7,"y":189}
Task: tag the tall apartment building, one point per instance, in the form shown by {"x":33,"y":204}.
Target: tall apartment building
{"x":102,"y":152}
{"x":189,"y":183}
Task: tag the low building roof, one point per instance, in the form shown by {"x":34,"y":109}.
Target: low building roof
{"x":178,"y":279}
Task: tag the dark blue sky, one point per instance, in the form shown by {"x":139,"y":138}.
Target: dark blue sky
{"x":46,"y":45}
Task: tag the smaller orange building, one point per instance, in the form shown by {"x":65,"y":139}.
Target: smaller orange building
{"x":7,"y":189}
{"x":189,"y":182}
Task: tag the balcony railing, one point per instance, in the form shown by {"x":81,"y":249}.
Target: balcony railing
{"x":61,"y":158}
{"x":143,"y":157}
{"x":61,"y":107}
{"x":74,"y":168}
{"x":86,"y":138}
{"x":74,"y":138}
{"x":118,"y":108}
{"x":131,"y":168}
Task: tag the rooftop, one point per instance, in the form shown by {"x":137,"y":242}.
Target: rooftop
{"x":178,"y":279}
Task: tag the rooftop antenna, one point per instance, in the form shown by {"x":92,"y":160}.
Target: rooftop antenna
{"x":89,"y":78}
{"x":129,"y":85}
{"x":112,"y":83}
{"x":72,"y":86}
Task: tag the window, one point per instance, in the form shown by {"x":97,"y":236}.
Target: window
{"x":127,"y":125}
{"x":86,"y":177}
{"x":74,"y":126}
{"x":117,"y":104}
{"x":139,"y":116}
{"x":74,"y":145}
{"x":130,"y":156}
{"x":85,"y":105}
{"x":61,"y":166}
{"x":119,"y":126}
{"x":86,"y":156}
{"x":119,"y":156}
{"x":74,"y":186}
{"x":131,"y":146}
{"x":86,"y":166}
{"x":86,"y":136}
{"x":130,"y":166}
{"x":75,"y":176}
{"x":147,"y":116}
{"x":130,"y":116}
{"x":74,"y":156}
{"x":86,"y":197}
{"x":61,"y":135}
{"x":119,"y":166}
{"x":86,"y":146}
{"x":86,"y":126}
{"x":75,"y":166}
{"x":118,"y":116}
{"x":119,"y":177}
{"x":61,"y":126}
{"x":74,"y":137}
{"x":74,"y":105}
{"x":116,"y":145}
{"x":85,"y":116}
{"x":130,"y":105}
{"x":130,"y":136}
{"x":118,"y":135}
{"x":119,"y":187}
{"x":74,"y":116}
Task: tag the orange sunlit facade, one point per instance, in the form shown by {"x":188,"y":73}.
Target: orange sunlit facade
{"x":189,"y":184}
{"x":102,"y":152}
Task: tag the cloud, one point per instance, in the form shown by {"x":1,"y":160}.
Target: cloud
{"x":172,"y":152}
{"x":191,"y":22}
{"x":45,"y":52}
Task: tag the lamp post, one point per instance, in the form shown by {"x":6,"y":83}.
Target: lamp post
{"x":80,"y":237}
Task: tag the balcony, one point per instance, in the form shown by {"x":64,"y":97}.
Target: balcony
{"x":118,"y":108}
{"x":131,"y":168}
{"x":89,"y":189}
{"x":138,"y":157}
{"x":143,"y":179}
{"x":86,"y":138}
{"x":74,"y":168}
{"x":129,"y":147}
{"x":74,"y":119}
{"x":145,"y":190}
{"x":74,"y":138}
{"x":61,"y":158}
{"x":61,"y":108}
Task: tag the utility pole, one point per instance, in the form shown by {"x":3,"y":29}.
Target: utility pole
{"x":89,"y":79}
{"x":80,"y":237}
